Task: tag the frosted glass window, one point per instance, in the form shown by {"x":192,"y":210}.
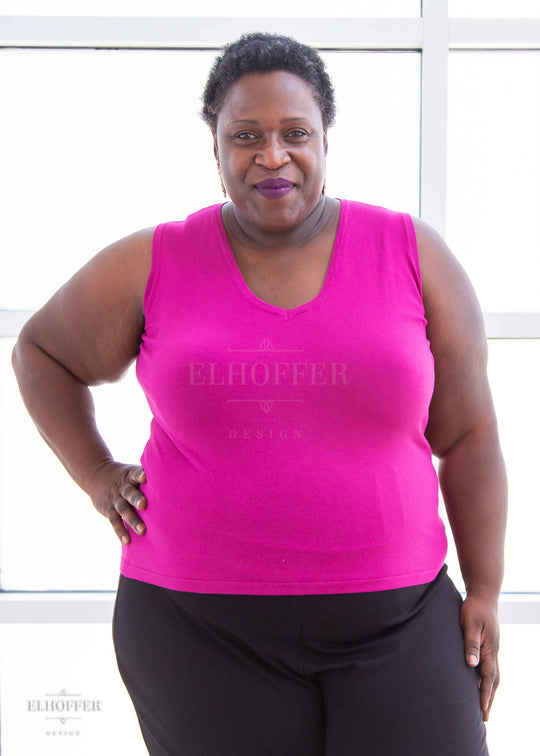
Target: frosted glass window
{"x":245,"y":8}
{"x":51,"y":536}
{"x":103,"y":143}
{"x":374,"y":147}
{"x":493,"y":223}
{"x":47,"y":666}
{"x":513,"y":369}
{"x":493,"y":9}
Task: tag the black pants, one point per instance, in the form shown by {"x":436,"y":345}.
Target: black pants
{"x":352,"y":674}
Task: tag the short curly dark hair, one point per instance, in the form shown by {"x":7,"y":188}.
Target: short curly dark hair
{"x":259,"y":52}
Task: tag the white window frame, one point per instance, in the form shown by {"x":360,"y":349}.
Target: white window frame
{"x":433,"y":35}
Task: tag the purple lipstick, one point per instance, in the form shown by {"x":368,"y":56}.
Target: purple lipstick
{"x":274,"y":188}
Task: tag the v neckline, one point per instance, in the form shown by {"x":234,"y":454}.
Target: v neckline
{"x":268,"y":306}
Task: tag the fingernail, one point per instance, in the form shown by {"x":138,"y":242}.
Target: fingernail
{"x":140,"y":528}
{"x":473,"y":660}
{"x":125,"y":539}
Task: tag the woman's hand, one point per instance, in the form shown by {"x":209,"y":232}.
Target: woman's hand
{"x":479,"y":620}
{"x":115,"y":494}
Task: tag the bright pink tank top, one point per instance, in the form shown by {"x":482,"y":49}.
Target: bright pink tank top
{"x":287,"y":452}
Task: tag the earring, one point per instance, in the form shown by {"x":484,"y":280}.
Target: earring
{"x":222,"y":184}
{"x":324,"y":187}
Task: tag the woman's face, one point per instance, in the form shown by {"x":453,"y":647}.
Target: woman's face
{"x":271,"y":147}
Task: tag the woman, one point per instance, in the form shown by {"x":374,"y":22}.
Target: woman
{"x":283,"y":587}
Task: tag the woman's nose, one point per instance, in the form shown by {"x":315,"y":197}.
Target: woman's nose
{"x":272,"y":155}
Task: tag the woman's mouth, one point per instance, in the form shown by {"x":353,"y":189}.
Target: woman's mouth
{"x":274,"y":188}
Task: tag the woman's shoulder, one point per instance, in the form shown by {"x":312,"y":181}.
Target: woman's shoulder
{"x":133,"y":253}
{"x":130,"y":257}
{"x":456,"y":333}
{"x":370,"y":208}
{"x":198,"y":216}
{"x":442,"y":273}
{"x":93,"y":324}
{"x":375,"y":220}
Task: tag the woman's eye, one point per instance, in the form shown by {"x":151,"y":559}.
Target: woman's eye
{"x":248,"y":136}
{"x":245,"y":136}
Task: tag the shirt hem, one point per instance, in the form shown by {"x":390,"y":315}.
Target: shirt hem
{"x":269,"y":588}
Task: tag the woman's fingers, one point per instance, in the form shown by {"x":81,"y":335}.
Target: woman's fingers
{"x":131,"y":499}
{"x":116,"y":494}
{"x":481,"y":636}
{"x":129,"y":515}
{"x":133,"y":495}
{"x":137,"y":475}
{"x":489,"y":678}
{"x":118,"y":526}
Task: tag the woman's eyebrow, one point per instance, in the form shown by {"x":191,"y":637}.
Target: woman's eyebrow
{"x":283,"y":120}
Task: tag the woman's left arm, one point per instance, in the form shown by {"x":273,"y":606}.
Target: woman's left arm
{"x":462,"y":431}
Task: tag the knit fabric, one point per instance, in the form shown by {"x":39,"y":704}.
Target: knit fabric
{"x":287,"y":452}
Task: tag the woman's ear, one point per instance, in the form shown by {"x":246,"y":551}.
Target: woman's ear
{"x":216,"y":151}
{"x":325,"y":142}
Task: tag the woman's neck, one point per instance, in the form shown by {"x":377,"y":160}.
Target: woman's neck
{"x":249,"y":235}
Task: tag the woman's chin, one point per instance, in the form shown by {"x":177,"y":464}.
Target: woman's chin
{"x":277,"y":216}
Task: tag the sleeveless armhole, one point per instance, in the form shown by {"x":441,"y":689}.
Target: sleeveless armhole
{"x":155,"y":269}
{"x":413,"y":250}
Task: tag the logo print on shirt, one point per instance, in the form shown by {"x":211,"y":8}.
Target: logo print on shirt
{"x":266,"y":404}
{"x":265,"y":373}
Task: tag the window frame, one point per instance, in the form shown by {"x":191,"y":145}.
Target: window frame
{"x":433,"y":34}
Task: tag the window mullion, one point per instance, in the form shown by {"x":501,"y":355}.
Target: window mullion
{"x":433,"y":114}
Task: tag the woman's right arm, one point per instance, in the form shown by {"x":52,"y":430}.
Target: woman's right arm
{"x":87,"y":334}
